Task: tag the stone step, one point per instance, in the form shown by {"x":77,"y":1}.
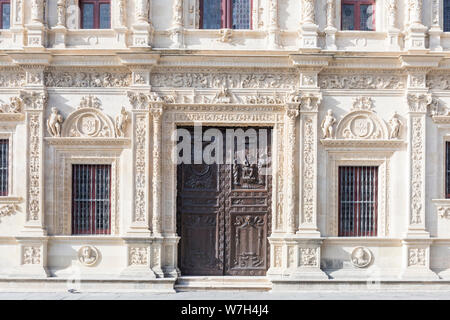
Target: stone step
{"x":222,"y":283}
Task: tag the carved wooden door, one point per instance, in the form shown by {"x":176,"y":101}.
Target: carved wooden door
{"x":224,"y":214}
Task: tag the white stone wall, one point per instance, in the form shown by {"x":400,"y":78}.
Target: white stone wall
{"x":286,"y":72}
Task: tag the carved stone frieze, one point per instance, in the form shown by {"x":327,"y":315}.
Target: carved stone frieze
{"x":87,"y":79}
{"x":12,"y":79}
{"x":218,"y":79}
{"x":15,"y":105}
{"x":362,"y":81}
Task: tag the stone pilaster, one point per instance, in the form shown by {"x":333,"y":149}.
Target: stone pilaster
{"x":309,"y":109}
{"x":435,"y":31}
{"x":416,"y":32}
{"x":292,"y":112}
{"x":416,"y":260}
{"x":17,"y":22}
{"x":309,"y":28}
{"x":120,"y":27}
{"x":139,"y":258}
{"x":60,"y":30}
{"x":142,"y":29}
{"x":32,"y":258}
{"x":273,"y":25}
{"x":36,"y":30}
{"x":393,"y":32}
{"x":177,"y":30}
{"x":156,"y":110}
{"x":330,"y":30}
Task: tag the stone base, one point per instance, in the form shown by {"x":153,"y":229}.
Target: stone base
{"x":308,"y":273}
{"x":418,"y":274}
{"x":134,"y":272}
{"x":36,"y":272}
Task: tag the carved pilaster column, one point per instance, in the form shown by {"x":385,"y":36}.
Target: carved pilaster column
{"x":292,"y":112}
{"x":142,"y":29}
{"x":140,"y":223}
{"x":36,"y":34}
{"x":415,"y":37}
{"x":177,"y":31}
{"x":274,"y":28}
{"x":156,"y":110}
{"x":331,"y":30}
{"x":35,"y":103}
{"x":309,"y":108}
{"x":121,"y":25}
{"x":392,"y":31}
{"x":435,"y":30}
{"x":309,"y":28}
{"x":60,"y":29}
{"x":17,"y":22}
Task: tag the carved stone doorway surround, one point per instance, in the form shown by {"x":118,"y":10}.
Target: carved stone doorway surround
{"x":216,"y":115}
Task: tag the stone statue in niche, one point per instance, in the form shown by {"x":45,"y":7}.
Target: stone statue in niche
{"x":361,"y":257}
{"x":88,"y":255}
{"x":395,"y":125}
{"x":121,"y":122}
{"x":327,"y":125}
{"x":54,"y":123}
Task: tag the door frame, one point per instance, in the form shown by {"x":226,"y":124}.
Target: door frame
{"x":223,"y":115}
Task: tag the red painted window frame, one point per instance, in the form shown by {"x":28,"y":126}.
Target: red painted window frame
{"x":3,"y":2}
{"x":96,"y":4}
{"x":357,"y":6}
{"x":356,"y":213}
{"x":226,"y":20}
{"x":92,"y":230}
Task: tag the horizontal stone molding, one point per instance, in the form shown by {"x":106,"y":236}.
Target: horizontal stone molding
{"x":69,"y":141}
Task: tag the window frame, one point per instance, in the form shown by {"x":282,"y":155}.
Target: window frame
{"x":2,"y":3}
{"x":357,"y":213}
{"x":357,"y":13}
{"x":226,"y":17}
{"x":92,"y":212}
{"x":443,"y":6}
{"x":96,"y":22}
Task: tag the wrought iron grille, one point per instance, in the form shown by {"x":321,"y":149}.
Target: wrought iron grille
{"x":91,"y":199}
{"x":4,"y":167}
{"x":241,"y":14}
{"x":358,"y":189}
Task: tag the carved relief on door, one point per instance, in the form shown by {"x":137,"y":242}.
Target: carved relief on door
{"x":224,"y":215}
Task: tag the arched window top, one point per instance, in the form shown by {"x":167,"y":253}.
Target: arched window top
{"x":231,"y":14}
{"x":95,"y":14}
{"x":5,"y":17}
{"x":358,"y":15}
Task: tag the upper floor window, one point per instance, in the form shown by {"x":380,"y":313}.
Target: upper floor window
{"x":95,"y":14}
{"x":358,"y":194}
{"x":447,"y":170}
{"x":5,"y":8}
{"x":446,"y":15}
{"x":231,"y":14}
{"x":4,"y":167}
{"x":91,"y":199}
{"x":358,"y":15}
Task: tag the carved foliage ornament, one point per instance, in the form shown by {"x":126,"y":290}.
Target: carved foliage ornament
{"x":31,"y":255}
{"x":86,"y":79}
{"x":416,"y":257}
{"x":360,"y":81}
{"x":444,"y":212}
{"x":8,"y":210}
{"x":15,"y":105}
{"x":34,"y":99}
{"x":138,"y":256}
{"x":88,"y":256}
{"x":309,"y":257}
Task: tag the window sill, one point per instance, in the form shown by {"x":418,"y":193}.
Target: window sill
{"x":10,"y":200}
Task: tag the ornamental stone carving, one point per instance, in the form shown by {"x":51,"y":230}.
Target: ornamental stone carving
{"x":138,"y":256}
{"x":140,"y":210}
{"x":88,"y":256}
{"x":90,"y":102}
{"x":444,"y":212}
{"x":417,"y":257}
{"x":309,"y":257}
{"x":87,"y":79}
{"x":121,"y":123}
{"x":54,"y":123}
{"x":391,"y":6}
{"x":31,"y":255}
{"x":37,"y":11}
{"x":331,"y":13}
{"x":417,"y":170}
{"x":361,"y":257}
{"x":142,"y":11}
{"x":361,"y":81}
{"x":396,"y":126}
{"x":327,"y":125}
{"x":35,"y":166}
{"x":8,"y":210}
{"x":34,"y":100}
{"x":308,"y":11}
{"x":12,"y":79}
{"x":15,"y":105}
{"x":61,"y":13}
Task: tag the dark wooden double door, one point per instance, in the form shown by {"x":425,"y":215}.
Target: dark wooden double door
{"x":224,"y":214}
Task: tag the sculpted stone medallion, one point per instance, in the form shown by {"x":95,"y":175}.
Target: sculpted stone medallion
{"x":361,"y":257}
{"x":88,"y":256}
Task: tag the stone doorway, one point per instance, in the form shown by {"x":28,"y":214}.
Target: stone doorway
{"x":224,"y":209}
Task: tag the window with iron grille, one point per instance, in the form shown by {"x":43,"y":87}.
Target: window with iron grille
{"x":447,"y":170}
{"x":231,"y":14}
{"x":446,"y":15}
{"x":95,"y":14}
{"x":4,"y":167}
{"x":358,"y":195}
{"x":5,"y":14}
{"x":358,"y":15}
{"x":91,"y":199}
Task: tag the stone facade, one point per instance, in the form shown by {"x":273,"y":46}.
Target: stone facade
{"x":159,"y":70}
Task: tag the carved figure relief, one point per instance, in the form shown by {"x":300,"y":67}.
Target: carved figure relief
{"x":54,"y":123}
{"x":121,"y":123}
{"x":88,"y":256}
{"x":395,"y":125}
{"x":15,"y":105}
{"x":361,"y":257}
{"x":327,"y":125}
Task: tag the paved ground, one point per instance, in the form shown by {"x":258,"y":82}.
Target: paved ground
{"x":323,"y":295}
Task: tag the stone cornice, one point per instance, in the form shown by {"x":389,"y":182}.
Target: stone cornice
{"x":31,"y":59}
{"x":76,"y":141}
{"x":361,"y":143}
{"x":420,"y":62}
{"x":310,"y":61}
